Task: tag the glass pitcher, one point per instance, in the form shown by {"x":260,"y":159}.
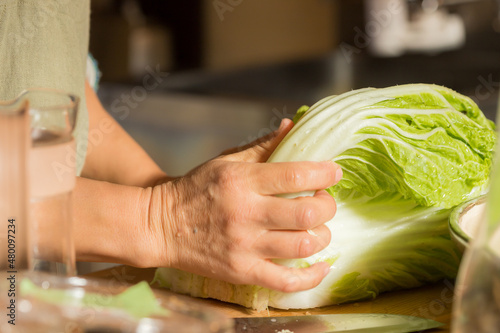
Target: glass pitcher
{"x":52,"y":172}
{"x":477,"y":304}
{"x":49,"y":170}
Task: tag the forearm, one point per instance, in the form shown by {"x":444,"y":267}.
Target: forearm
{"x":111,"y":223}
{"x":116,"y":157}
{"x":111,"y":199}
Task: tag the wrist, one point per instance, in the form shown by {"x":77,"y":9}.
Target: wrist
{"x":108,"y":223}
{"x":157,"y":221}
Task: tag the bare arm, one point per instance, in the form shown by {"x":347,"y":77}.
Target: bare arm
{"x":109,"y":223}
{"x":114,"y":156}
{"x":111,"y":196}
{"x":221,"y":220}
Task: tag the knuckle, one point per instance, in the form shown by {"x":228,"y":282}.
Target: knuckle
{"x":227,"y":175}
{"x":237,"y":266}
{"x":231,"y":181}
{"x":295,"y":177}
{"x":237,"y":243}
{"x":290,"y":283}
{"x":251,"y":271}
{"x":233,"y":216}
{"x":242,"y":240}
{"x":305,"y":247}
{"x":239,"y":215}
{"x":306,"y":217}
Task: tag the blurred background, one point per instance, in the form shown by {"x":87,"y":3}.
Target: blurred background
{"x":189,"y":79}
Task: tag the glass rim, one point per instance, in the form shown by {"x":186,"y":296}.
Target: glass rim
{"x":72,"y":103}
{"x":72,"y":100}
{"x":14,"y":106}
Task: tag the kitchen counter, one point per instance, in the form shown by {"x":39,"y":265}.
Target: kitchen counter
{"x":432,"y":302}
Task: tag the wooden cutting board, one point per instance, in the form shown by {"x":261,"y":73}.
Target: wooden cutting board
{"x":432,"y":302}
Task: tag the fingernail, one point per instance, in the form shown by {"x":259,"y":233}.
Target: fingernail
{"x":311,"y":232}
{"x":338,"y":173}
{"x":282,"y":125}
{"x":327,"y":270}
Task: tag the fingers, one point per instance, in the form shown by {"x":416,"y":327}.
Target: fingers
{"x":292,"y":244}
{"x":259,"y":150}
{"x":301,"y":213}
{"x":286,"y":279}
{"x":292,"y":177}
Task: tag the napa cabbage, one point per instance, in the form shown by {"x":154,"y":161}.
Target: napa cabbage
{"x":409,"y":154}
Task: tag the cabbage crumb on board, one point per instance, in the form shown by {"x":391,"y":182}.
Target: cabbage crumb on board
{"x":409,"y":154}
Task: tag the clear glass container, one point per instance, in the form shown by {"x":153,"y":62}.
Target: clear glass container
{"x":37,"y":176}
{"x":477,"y":303}
{"x":52,"y":174}
{"x":76,"y":314}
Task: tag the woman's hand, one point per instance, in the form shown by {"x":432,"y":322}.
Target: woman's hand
{"x":223,"y":219}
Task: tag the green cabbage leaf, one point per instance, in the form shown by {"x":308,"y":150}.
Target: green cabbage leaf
{"x":409,"y":154}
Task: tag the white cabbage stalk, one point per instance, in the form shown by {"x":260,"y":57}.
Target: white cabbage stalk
{"x":409,"y":154}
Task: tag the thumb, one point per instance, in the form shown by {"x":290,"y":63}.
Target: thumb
{"x":260,"y":149}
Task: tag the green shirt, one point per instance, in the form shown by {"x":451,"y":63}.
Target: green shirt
{"x":44,"y":43}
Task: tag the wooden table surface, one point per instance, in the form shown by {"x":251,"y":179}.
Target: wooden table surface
{"x":432,"y":302}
